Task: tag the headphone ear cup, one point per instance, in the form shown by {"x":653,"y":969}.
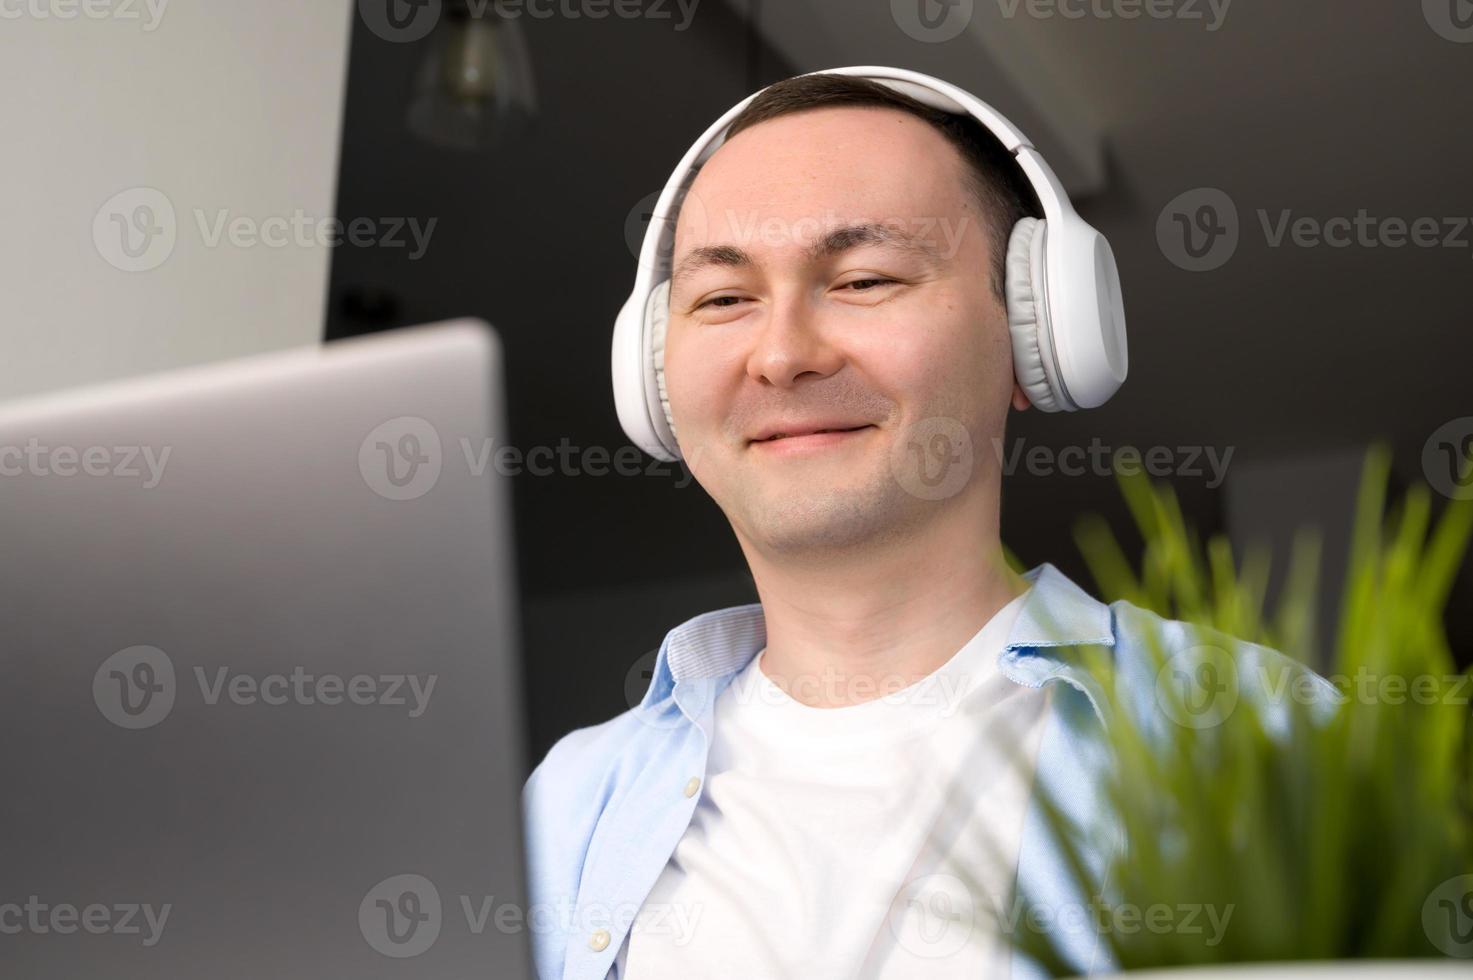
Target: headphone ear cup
{"x":1028,"y":314}
{"x":658,"y":317}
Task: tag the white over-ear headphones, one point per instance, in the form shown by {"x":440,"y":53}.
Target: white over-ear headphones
{"x":1063,"y":290}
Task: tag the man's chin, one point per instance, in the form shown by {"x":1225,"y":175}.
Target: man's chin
{"x":793,"y":516}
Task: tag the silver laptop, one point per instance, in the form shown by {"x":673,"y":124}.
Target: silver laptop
{"x":259,"y":704}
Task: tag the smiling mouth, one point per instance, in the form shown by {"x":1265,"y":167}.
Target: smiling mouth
{"x":815,"y":437}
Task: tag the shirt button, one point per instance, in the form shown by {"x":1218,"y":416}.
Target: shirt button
{"x":693,"y":787}
{"x":599,"y":941}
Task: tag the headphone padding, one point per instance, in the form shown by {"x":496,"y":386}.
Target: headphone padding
{"x":658,"y":315}
{"x":1025,"y":285}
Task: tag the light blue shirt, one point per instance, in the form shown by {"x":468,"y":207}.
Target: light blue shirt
{"x":607,"y":806}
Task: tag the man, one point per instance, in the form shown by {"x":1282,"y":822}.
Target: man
{"x":835,"y":782}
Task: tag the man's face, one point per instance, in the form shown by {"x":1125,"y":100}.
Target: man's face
{"x":832,"y":269}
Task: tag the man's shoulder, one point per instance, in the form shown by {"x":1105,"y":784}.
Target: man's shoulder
{"x":584,"y":765}
{"x":1156,"y":653}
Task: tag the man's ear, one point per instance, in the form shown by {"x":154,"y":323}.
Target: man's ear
{"x":1020,"y":400}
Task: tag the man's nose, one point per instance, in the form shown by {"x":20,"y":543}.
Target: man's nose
{"x":792,"y":343}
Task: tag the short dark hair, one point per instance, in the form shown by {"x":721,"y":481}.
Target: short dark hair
{"x":1002,"y":191}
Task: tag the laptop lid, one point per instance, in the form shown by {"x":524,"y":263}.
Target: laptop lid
{"x":259,"y":696}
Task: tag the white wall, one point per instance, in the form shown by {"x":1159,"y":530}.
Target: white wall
{"x":213,"y":104}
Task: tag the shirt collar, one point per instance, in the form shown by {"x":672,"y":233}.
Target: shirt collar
{"x":1056,"y":615}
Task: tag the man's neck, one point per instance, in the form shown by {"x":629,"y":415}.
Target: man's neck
{"x":856,"y":627}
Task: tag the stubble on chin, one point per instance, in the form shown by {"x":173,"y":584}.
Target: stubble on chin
{"x":806,"y":521}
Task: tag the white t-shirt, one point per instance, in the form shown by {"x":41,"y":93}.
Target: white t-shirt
{"x":873,"y":840}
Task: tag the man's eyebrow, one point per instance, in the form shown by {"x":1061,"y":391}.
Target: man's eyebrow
{"x":708,"y":255}
{"x":843,"y":239}
{"x":836,"y":242}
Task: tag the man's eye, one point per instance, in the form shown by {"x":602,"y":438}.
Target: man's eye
{"x":867,"y":284}
{"x":719,"y":301}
